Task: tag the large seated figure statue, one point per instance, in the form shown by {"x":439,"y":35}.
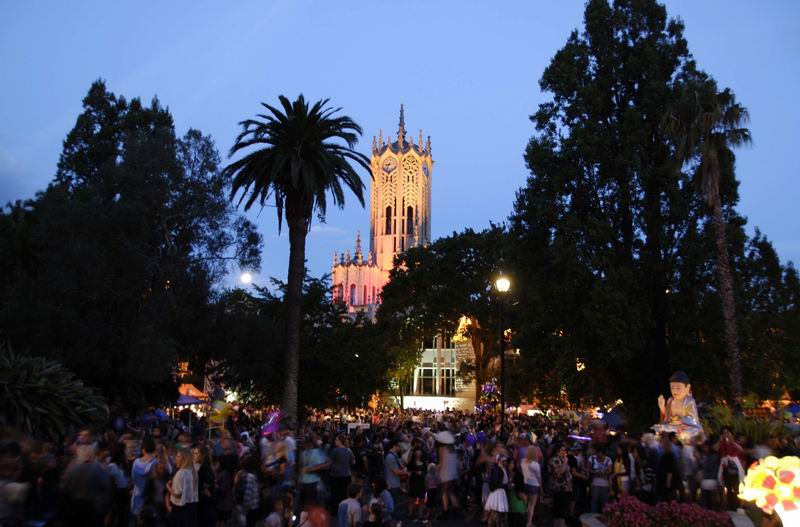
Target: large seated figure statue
{"x":679,"y":412}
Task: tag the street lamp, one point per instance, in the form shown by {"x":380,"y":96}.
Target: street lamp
{"x":502,"y":284}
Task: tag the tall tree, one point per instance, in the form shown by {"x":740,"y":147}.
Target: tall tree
{"x":301,"y":154}
{"x":432,"y":287}
{"x":600,"y":227}
{"x":708,"y":124}
{"x":342,"y":360}
{"x":112,"y":268}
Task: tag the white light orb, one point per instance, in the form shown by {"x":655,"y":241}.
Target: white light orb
{"x":503,"y":284}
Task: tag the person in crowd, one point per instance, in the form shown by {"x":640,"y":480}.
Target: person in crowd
{"x":431,"y":493}
{"x":162,"y":473}
{"x":224,"y":470}
{"x":731,"y":473}
{"x":532,"y":480}
{"x":600,"y":470}
{"x":417,"y":469}
{"x":448,"y":473}
{"x":667,"y":471}
{"x":622,"y":471}
{"x":341,"y":463}
{"x":560,"y":484}
{"x":247,"y":499}
{"x":349,"y":509}
{"x":141,"y":476}
{"x":394,"y":475}
{"x":85,"y":487}
{"x":376,"y":516}
{"x":183,"y":491}
{"x":516,"y":495}
{"x":278,"y":516}
{"x":497,"y":501}
{"x":207,"y":507}
{"x":580,"y":479}
{"x":382,"y":496}
{"x":114,"y":456}
{"x":709,"y":476}
{"x":313,"y":464}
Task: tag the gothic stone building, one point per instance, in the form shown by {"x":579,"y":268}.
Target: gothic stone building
{"x":400,"y":218}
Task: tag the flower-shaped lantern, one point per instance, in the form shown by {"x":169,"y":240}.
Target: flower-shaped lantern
{"x":774,"y":485}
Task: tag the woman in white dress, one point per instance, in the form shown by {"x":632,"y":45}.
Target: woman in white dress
{"x":497,"y":501}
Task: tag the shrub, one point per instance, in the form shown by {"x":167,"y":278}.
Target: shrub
{"x":42,"y":398}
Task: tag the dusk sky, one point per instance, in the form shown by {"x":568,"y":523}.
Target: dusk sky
{"x":467,"y":72}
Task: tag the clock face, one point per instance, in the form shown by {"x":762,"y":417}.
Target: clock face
{"x":389,"y":164}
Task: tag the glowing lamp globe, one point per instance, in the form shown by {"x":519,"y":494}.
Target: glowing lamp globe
{"x":246,"y":278}
{"x":503,"y":284}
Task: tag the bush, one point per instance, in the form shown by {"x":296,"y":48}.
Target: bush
{"x":630,"y":512}
{"x":757,"y":430}
{"x":42,"y":398}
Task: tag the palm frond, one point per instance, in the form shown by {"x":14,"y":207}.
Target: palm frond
{"x":305,"y":153}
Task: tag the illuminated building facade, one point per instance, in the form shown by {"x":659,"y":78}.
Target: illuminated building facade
{"x":400,"y":218}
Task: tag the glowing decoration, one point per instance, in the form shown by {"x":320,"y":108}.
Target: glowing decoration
{"x":579,"y":366}
{"x":679,"y":412}
{"x":489,"y":399}
{"x":774,"y":485}
{"x":220,"y":410}
{"x":272,"y":424}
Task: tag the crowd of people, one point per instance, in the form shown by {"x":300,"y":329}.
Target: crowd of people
{"x":369,"y":468}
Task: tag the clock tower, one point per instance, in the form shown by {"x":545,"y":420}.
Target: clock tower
{"x":400,"y":198}
{"x":400,"y":217}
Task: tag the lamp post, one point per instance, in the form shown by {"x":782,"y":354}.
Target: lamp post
{"x":502,"y":284}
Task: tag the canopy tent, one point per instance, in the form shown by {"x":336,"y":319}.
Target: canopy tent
{"x":186,"y":400}
{"x":191,"y":390}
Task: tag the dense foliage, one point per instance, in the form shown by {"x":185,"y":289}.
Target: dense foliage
{"x":44,"y":399}
{"x":112,"y":269}
{"x":342,"y":360}
{"x":614,"y":247}
{"x":432,"y":287}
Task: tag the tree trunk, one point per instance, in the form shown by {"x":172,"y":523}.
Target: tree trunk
{"x":729,"y":337}
{"x":298,"y":229}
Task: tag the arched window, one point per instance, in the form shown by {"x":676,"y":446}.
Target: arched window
{"x":364,"y":299}
{"x":388,"y":229}
{"x":410,"y":221}
{"x":353,"y":294}
{"x":340,"y":295}
{"x":374,"y":298}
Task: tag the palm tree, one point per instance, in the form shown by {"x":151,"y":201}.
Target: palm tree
{"x":300,"y":155}
{"x":708,"y":124}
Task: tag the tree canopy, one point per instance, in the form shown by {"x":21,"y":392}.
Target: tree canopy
{"x":613,"y":247}
{"x":112,"y":269}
